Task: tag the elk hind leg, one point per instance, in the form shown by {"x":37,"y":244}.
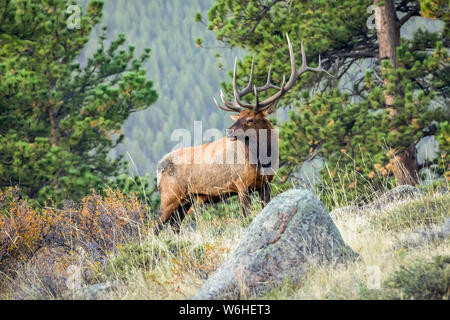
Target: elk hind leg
{"x":168,"y":206}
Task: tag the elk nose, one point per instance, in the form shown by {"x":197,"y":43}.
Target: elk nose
{"x":229,"y":133}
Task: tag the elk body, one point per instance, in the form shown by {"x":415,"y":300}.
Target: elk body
{"x":232,"y":165}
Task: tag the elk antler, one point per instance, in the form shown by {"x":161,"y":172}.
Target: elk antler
{"x":238,"y":105}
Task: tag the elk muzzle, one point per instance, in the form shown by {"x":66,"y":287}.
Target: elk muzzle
{"x":230,"y":134}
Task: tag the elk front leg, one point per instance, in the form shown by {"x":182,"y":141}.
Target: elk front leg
{"x":244,"y":200}
{"x":176,"y":218}
{"x":264,"y":194}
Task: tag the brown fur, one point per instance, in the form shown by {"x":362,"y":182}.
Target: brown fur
{"x":181,"y":180}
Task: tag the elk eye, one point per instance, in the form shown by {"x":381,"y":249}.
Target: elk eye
{"x":249,"y":120}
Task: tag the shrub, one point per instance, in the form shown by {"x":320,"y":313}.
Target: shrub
{"x":424,"y":280}
{"x":7,"y":198}
{"x":97,"y":224}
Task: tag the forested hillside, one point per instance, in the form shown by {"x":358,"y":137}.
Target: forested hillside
{"x":186,"y":76}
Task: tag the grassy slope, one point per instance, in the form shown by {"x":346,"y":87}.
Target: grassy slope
{"x":380,"y":253}
{"x":183,"y":261}
{"x":174,"y":266}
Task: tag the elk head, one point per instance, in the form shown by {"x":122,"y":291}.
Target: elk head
{"x":253,"y":116}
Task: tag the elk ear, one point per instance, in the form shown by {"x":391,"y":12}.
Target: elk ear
{"x":266,"y":112}
{"x":234,"y":117}
{"x":270,"y":109}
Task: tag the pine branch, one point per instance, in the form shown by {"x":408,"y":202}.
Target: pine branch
{"x":414,"y":12}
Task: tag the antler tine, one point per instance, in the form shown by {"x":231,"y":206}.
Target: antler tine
{"x":295,"y":73}
{"x":319,"y":68}
{"x":221,"y":106}
{"x":269,"y":77}
{"x":228,"y":104}
{"x":269,"y":83}
{"x":224,"y":107}
{"x":256,"y":97}
{"x":237,"y":94}
{"x":224,"y":100}
{"x":249,"y":86}
{"x":266,"y":104}
{"x":305,"y":67}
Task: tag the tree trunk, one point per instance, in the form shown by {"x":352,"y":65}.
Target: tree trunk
{"x":404,"y":164}
{"x":388,"y":34}
{"x":388,"y":30}
{"x":53,"y":138}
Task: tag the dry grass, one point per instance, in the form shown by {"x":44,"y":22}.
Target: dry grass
{"x":380,"y":256}
{"x":40,"y":247}
{"x":174,"y":266}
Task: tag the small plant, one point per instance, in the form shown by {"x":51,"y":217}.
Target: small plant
{"x":133,"y":256}
{"x":424,"y":280}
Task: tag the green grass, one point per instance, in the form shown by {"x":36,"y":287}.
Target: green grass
{"x":414,"y":214}
{"x":146,"y":256}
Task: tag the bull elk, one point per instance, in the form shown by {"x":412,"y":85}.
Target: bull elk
{"x":182,"y":179}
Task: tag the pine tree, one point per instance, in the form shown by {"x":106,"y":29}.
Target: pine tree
{"x":366,"y":124}
{"x":59,"y":119}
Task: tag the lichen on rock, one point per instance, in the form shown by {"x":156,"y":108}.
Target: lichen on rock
{"x":294,"y":232}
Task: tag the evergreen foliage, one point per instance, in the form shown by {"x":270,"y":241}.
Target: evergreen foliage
{"x":349,"y":125}
{"x":422,"y":280}
{"x":59,"y":119}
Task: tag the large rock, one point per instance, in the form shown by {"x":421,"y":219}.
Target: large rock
{"x":291,"y":234}
{"x":394,"y":196}
{"x":422,"y":236}
{"x":387,"y":200}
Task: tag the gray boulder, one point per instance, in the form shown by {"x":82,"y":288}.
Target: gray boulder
{"x":419,"y":237}
{"x":386,"y":200}
{"x":398,"y":194}
{"x":291,"y":234}
{"x":98,"y":291}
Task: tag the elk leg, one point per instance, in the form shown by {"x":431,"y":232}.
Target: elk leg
{"x":176,"y":218}
{"x":264,"y":194}
{"x":168,"y":206}
{"x":244,"y":200}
